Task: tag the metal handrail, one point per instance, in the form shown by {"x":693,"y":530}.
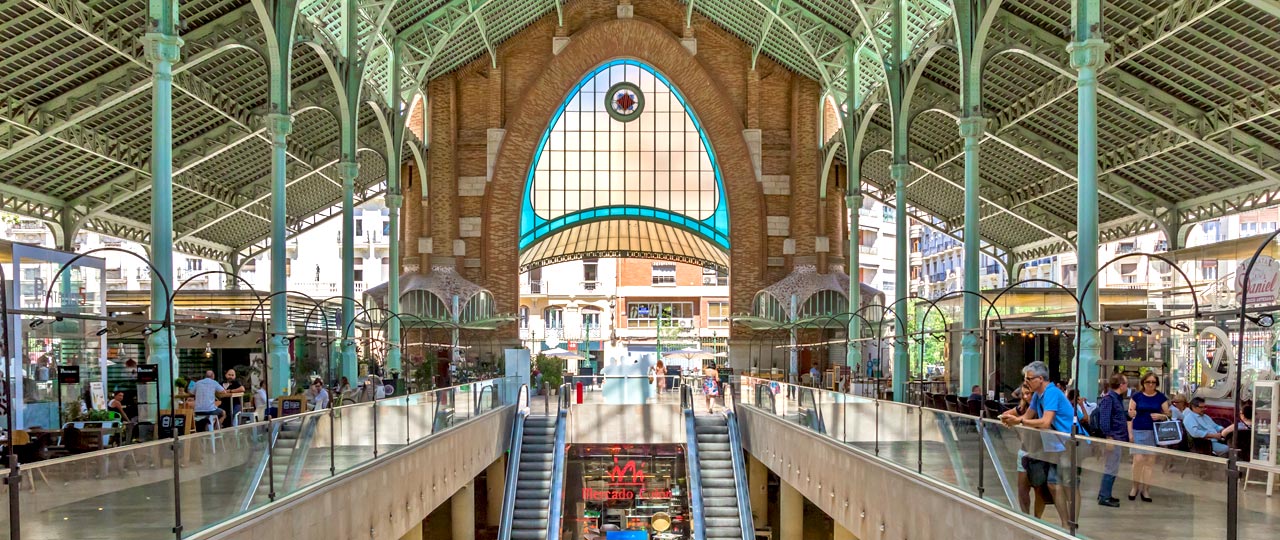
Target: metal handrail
{"x":513,"y":463}
{"x":694,"y":468}
{"x":748,"y":524}
{"x":555,"y":510}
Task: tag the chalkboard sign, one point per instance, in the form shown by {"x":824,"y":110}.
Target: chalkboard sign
{"x":148,"y":373}
{"x":169,"y":423}
{"x":69,"y":374}
{"x":290,"y":406}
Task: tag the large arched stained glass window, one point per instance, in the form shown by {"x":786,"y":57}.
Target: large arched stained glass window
{"x":624,"y":145}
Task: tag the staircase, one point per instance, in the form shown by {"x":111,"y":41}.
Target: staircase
{"x":533,"y":481}
{"x":721,"y":516}
{"x":289,"y":446}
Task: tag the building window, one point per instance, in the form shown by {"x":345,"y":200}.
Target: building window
{"x":386,"y":228}
{"x":195,"y":264}
{"x":359,"y":274}
{"x":590,"y":322}
{"x":591,"y":270}
{"x":712,"y":276}
{"x":524,"y":316}
{"x":664,"y":273}
{"x":359,"y":227}
{"x":718,"y":314}
{"x":646,"y":314}
{"x":887,"y":286}
{"x":553,"y":317}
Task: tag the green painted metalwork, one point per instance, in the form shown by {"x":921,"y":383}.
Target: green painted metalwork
{"x":853,"y":204}
{"x":968,"y":18}
{"x":279,"y":125}
{"x":395,"y":200}
{"x":896,"y":75}
{"x":163,"y":49}
{"x":1088,"y":54}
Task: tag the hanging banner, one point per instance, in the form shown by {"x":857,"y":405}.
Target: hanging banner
{"x":1264,"y":281}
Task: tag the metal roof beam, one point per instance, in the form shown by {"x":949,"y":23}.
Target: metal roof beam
{"x":436,"y":29}
{"x":1001,"y":208}
{"x":785,"y":13}
{"x":1270,"y":7}
{"x":929,"y":219}
{"x":261,"y":245}
{"x":127,"y":229}
{"x":255,"y":201}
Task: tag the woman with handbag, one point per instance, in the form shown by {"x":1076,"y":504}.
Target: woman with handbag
{"x":1146,"y":407}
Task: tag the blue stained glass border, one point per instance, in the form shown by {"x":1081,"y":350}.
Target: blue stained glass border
{"x":714,"y":228}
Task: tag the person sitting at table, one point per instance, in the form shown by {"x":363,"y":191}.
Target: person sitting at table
{"x":206,"y":391}
{"x":1200,"y":426}
{"x":117,"y":405}
{"x":975,"y":393}
{"x":319,"y":395}
{"x":231,"y":388}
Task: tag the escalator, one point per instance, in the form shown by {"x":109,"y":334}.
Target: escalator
{"x":290,"y":443}
{"x":717,"y":476}
{"x":534,"y":496}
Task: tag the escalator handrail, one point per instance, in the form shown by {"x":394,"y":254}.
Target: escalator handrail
{"x":740,"y":474}
{"x":300,"y":449}
{"x":693,"y":468}
{"x":261,"y":469}
{"x":513,"y":466}
{"x":555,"y":510}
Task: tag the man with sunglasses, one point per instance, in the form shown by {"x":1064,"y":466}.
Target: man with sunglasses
{"x":1200,"y":426}
{"x":1050,"y":411}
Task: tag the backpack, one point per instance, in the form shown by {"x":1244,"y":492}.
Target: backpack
{"x":1095,"y":419}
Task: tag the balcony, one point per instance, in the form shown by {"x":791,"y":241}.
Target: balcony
{"x":590,"y":286}
{"x":533,"y":287}
{"x":867,"y":250}
{"x":319,"y":289}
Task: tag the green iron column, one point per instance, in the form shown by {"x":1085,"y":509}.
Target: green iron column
{"x":163,"y":49}
{"x":279,"y":125}
{"x":971,"y":128}
{"x":852,"y":202}
{"x":1088,"y":53}
{"x":900,"y":172}
{"x":349,"y":170}
{"x":395,"y":200}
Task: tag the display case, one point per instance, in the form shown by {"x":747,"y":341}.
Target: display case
{"x":1264,"y":434}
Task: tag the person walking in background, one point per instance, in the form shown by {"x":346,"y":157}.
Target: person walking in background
{"x":1148,"y":406}
{"x":710,"y":385}
{"x":1114,"y":423}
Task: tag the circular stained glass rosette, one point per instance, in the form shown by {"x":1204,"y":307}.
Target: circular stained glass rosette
{"x":624,"y":101}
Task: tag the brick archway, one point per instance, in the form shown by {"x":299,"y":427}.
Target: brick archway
{"x":594,"y":45}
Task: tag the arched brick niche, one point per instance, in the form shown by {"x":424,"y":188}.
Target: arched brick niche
{"x":589,"y":47}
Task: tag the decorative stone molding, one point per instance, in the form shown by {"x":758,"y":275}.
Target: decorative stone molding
{"x":754,"y":138}
{"x":471,"y":186}
{"x":821,"y":244}
{"x":789,"y":246}
{"x":690,"y":43}
{"x":495,"y":136}
{"x":459,"y":248}
{"x":470,"y":227}
{"x":625,"y":9}
{"x":776,"y":184}
{"x":425,"y":244}
{"x":558,"y":43}
{"x":777,"y":225}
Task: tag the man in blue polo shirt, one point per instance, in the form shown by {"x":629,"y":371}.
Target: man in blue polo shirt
{"x":1051,"y":412}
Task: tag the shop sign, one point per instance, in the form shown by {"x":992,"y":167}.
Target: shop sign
{"x":629,"y":473}
{"x":69,"y":374}
{"x":148,"y":373}
{"x":623,"y":494}
{"x":1264,"y":281}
